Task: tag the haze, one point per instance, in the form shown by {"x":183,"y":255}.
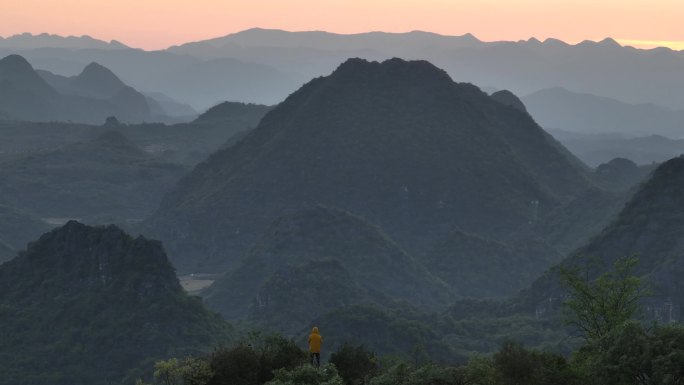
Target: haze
{"x":157,"y":24}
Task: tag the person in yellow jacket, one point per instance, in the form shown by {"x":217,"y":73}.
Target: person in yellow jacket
{"x":315,"y":342}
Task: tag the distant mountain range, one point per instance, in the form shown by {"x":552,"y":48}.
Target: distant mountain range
{"x":559,"y":109}
{"x":92,"y":305}
{"x":397,"y":142}
{"x":45,"y":40}
{"x":264,"y":66}
{"x":92,"y":96}
{"x":595,"y":149}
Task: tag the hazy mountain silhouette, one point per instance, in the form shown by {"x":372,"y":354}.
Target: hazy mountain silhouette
{"x":184,"y":143}
{"x":28,"y":41}
{"x":368,"y":257}
{"x":93,"y":305}
{"x":397,"y":142}
{"x":602,"y":68}
{"x":228,"y":111}
{"x":291,"y":58}
{"x":560,"y":109}
{"x":596,"y":149}
{"x":89,"y":97}
{"x":107,"y":179}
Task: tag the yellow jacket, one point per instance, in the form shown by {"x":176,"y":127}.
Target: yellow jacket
{"x":315,"y":341}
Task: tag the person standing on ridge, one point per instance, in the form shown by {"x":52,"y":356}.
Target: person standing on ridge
{"x":315,"y":342}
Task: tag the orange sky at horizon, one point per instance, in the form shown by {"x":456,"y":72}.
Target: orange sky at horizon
{"x":157,"y":24}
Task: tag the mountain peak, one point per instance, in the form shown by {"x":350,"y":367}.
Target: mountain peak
{"x":99,"y":72}
{"x":101,"y":257}
{"x":419,"y":71}
{"x":19,"y":72}
{"x":609,"y":42}
{"x":98,"y":81}
{"x":15,"y":61}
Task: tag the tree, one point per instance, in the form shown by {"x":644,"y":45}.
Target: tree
{"x":596,"y":307}
{"x":190,"y":371}
{"x":354,"y":363}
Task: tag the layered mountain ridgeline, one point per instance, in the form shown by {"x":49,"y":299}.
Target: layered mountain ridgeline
{"x":595,"y":149}
{"x":90,"y":97}
{"x":561,"y":109}
{"x":186,"y":143}
{"x":650,"y":227}
{"x":91,"y":305}
{"x":521,"y":66}
{"x":107,"y":179}
{"x":397,"y":142}
{"x":324,"y":247}
{"x":44,"y":40}
{"x":17,"y":228}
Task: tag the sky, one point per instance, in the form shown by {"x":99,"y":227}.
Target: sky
{"x":157,"y":24}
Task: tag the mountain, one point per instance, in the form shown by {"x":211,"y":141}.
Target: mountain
{"x":228,"y":111}
{"x":295,"y":296}
{"x":601,"y":68}
{"x":650,"y":227}
{"x":289,"y":59}
{"x":397,"y":142}
{"x":105,"y":179}
{"x":560,"y":109}
{"x":621,"y":174}
{"x":89,"y":97}
{"x":22,"y":92}
{"x":93,"y":305}
{"x":29,"y":41}
{"x":334,"y":251}
{"x":575,"y":223}
{"x":476,"y":267}
{"x":595,"y":149}
{"x":183,"y":143}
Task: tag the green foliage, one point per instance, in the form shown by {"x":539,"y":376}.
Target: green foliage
{"x":254,"y":362}
{"x":598,"y":306}
{"x":190,"y":371}
{"x":631,"y":355}
{"x":354,"y":363}
{"x":307,"y":375}
{"x":516,"y":365}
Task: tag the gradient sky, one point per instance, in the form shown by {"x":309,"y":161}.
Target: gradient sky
{"x":155,"y":24}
